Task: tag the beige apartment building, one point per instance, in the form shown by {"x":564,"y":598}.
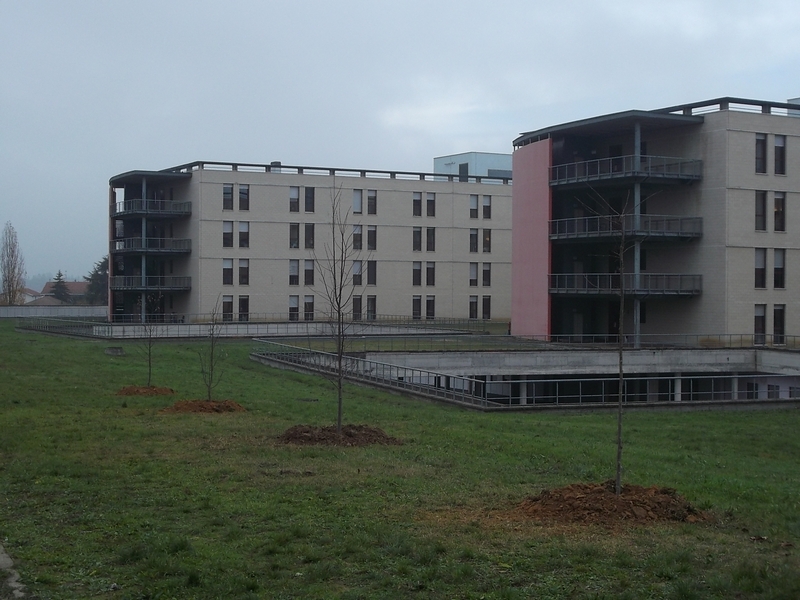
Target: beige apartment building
{"x":251,"y":239}
{"x":704,"y":200}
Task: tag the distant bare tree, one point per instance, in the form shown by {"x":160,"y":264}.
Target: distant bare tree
{"x":12,"y":268}
{"x":335,"y":268}
{"x":211,"y":354}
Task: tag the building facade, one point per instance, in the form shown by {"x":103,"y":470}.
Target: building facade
{"x":250,"y":241}
{"x":691,"y":210}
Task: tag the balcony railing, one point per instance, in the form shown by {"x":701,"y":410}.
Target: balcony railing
{"x":155,"y":245}
{"x":650,"y":226}
{"x":619,"y":167}
{"x":137,"y":282}
{"x":166,"y":208}
{"x":644,"y":284}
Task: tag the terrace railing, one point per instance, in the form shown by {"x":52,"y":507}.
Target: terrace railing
{"x":137,"y":282}
{"x":156,"y":245}
{"x":619,"y":167}
{"x":664,"y":284}
{"x":610,"y":226}
{"x":156,"y":207}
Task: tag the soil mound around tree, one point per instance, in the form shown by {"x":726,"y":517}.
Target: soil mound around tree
{"x":204,"y":406}
{"x":596,"y":503}
{"x":145,"y":390}
{"x":352,"y":435}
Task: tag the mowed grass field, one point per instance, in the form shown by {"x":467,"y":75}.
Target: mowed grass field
{"x":99,"y":490}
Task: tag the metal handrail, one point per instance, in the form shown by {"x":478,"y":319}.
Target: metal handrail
{"x":612,"y":167}
{"x":137,"y":282}
{"x":162,"y":207}
{"x":609,"y":283}
{"x":165,"y":244}
{"x":633,"y":226}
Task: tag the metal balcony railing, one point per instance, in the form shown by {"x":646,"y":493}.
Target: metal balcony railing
{"x":608,"y":284}
{"x":166,"y":208}
{"x":649,"y":226}
{"x":156,"y":245}
{"x":619,"y":167}
{"x":137,"y":282}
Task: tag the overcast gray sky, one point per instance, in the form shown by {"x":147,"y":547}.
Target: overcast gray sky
{"x":89,"y":89}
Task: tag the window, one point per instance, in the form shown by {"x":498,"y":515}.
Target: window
{"x":773,"y":391}
{"x":357,"y":201}
{"x":356,"y":308}
{"x":372,"y":237}
{"x":416,"y":273}
{"x":473,"y":240}
{"x":416,"y":307}
{"x":372,"y":272}
{"x":643,"y":259}
{"x":473,"y":274}
{"x":227,"y":234}
{"x":372,"y":202}
{"x":761,"y":267}
{"x":761,"y":210}
{"x":227,"y":203}
{"x":294,"y":235}
{"x":227,"y":308}
{"x":643,"y":312}
{"x":372,"y":308}
{"x":751,"y":390}
{"x":431,"y":204}
{"x":294,"y":307}
{"x":779,"y":324}
{"x":473,"y":206}
{"x":308,"y":272}
{"x":308,"y":308}
{"x":227,"y":271}
{"x":356,"y":272}
{"x":487,"y":274}
{"x":244,"y":308}
{"x":487,"y":308}
{"x":487,"y":207}
{"x":244,"y":271}
{"x":430,"y":239}
{"x":430,"y":307}
{"x":794,"y":391}
{"x":294,"y":199}
{"x":244,"y":196}
{"x":294,"y":272}
{"x":309,"y":240}
{"x":244,"y":234}
{"x":761,"y":153}
{"x":473,"y":307}
{"x":416,"y":241}
{"x":356,"y":237}
{"x":780,"y":155}
{"x":780,"y":212}
{"x":487,"y":240}
{"x":779,"y":269}
{"x":430,"y":273}
{"x":760,"y":324}
{"x":309,"y":200}
{"x":417,"y":204}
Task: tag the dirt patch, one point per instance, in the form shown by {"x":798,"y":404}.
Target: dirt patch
{"x":145,"y":390}
{"x":596,"y":503}
{"x":352,"y":435}
{"x":204,"y":406}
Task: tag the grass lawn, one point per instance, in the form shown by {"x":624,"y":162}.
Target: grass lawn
{"x":98,"y":489}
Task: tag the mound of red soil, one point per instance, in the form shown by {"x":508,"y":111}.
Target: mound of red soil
{"x":352,"y":435}
{"x":596,"y":503}
{"x":145,"y":390}
{"x":204,"y":406}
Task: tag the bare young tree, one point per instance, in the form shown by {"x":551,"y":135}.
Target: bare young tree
{"x":211,"y":354}
{"x":12,"y":268}
{"x":335,"y":268}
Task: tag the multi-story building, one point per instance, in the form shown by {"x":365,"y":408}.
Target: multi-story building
{"x":691,"y":210}
{"x":248,"y":240}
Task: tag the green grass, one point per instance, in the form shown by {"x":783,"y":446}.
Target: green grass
{"x":98,"y":489}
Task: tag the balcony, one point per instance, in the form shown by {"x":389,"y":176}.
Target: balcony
{"x":161,"y":208}
{"x":664,"y":168}
{"x":644,"y":284}
{"x":610,"y":226}
{"x":139,"y":283}
{"x":151,"y":245}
